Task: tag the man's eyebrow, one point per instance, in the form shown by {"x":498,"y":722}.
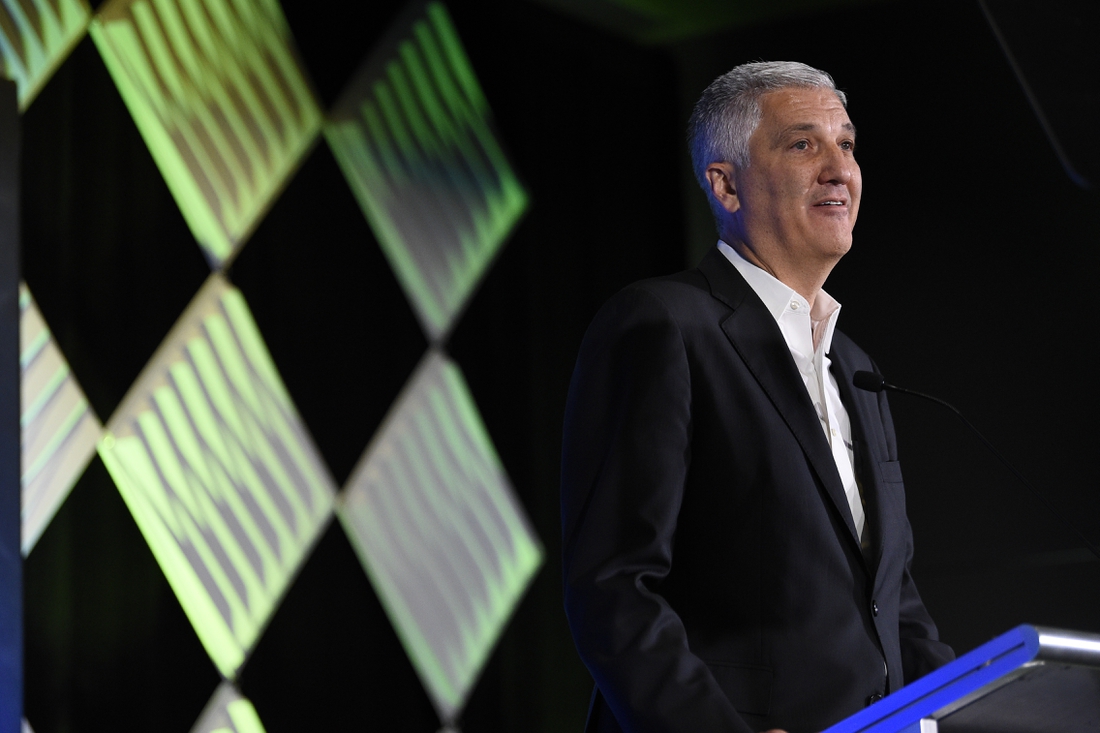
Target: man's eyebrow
{"x":809,"y":127}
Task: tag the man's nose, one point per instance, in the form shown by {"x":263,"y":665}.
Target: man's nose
{"x":836,"y":166}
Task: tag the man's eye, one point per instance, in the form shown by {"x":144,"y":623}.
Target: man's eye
{"x":848,"y":145}
{"x":801,"y":145}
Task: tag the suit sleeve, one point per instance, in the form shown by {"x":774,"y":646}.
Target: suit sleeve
{"x":626,"y":452}
{"x":921,"y":649}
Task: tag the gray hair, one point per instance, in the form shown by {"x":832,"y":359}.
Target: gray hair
{"x":727,"y":114}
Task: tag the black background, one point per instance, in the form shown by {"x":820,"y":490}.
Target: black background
{"x":971,"y":278}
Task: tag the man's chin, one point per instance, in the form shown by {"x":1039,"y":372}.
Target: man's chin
{"x":834,"y":249}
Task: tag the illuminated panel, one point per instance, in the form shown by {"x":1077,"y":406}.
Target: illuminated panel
{"x":412,"y":135}
{"x":219,"y":472}
{"x":35,"y":37}
{"x":228,"y":712}
{"x":59,"y":428}
{"x":433,"y":519}
{"x":217,"y":93}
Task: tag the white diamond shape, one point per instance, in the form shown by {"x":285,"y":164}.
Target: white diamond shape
{"x":219,"y":472}
{"x":222,"y":104}
{"x":59,"y":428}
{"x":446,"y":544}
{"x":414,"y":137}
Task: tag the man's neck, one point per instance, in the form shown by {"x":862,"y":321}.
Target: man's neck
{"x":806,"y":279}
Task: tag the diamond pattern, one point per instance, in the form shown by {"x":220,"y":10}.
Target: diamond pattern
{"x":330,"y":660}
{"x":108,"y":646}
{"x":106,"y":251}
{"x":414,"y":138}
{"x":431,"y":514}
{"x":207,"y":448}
{"x":60,"y":430}
{"x":228,"y":712}
{"x":215,"y":90}
{"x":221,"y":476}
{"x":35,"y":37}
{"x":338,"y":312}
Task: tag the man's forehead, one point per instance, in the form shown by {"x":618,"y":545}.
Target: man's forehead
{"x":797,"y":109}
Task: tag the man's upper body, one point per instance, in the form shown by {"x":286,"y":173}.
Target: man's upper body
{"x":718,"y":573}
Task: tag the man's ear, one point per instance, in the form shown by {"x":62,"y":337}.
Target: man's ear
{"x":722,"y":186}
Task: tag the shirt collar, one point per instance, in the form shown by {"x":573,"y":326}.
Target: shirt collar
{"x":777,"y":297}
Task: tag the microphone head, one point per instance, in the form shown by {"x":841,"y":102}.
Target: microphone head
{"x":869,"y":381}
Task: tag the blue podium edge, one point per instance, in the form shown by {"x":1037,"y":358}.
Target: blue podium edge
{"x":947,"y":685}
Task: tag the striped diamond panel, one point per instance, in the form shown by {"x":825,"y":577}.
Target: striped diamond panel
{"x":59,"y":428}
{"x":228,"y":712}
{"x":217,"y":93}
{"x":433,"y":519}
{"x":219,"y":472}
{"x":413,"y":137}
{"x":35,"y":37}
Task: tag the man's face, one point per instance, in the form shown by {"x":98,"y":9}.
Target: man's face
{"x":799,"y":196}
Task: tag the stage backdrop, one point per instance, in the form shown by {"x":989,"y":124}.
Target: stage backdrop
{"x":304,"y":283}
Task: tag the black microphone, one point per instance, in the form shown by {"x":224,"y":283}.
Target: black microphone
{"x":871,"y":382}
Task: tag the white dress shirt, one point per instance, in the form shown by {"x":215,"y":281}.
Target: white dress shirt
{"x":809,"y":336}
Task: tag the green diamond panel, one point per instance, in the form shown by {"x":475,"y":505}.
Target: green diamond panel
{"x":228,"y":712}
{"x":35,"y":37}
{"x":216,"y":91}
{"x":413,"y":136}
{"x":434,"y":521}
{"x":219,"y":472}
{"x":59,"y":428}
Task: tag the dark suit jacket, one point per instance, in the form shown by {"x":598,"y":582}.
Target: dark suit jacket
{"x":713,"y":578}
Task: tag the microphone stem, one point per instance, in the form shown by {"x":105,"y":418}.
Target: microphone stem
{"x":1042,"y":497}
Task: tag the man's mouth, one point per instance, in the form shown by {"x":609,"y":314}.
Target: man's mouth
{"x":831,"y":202}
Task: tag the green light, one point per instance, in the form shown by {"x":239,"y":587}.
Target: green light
{"x":216,"y":92}
{"x":432,"y":517}
{"x":219,"y":472}
{"x":228,"y":712}
{"x":59,"y":428}
{"x":413,"y":137}
{"x":35,"y":37}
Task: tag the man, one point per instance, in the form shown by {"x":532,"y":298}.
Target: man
{"x":736,"y":549}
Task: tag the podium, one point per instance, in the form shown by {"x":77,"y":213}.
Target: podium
{"x":1030,"y":680}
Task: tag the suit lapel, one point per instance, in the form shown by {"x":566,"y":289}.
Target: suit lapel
{"x":755,"y":336}
{"x":863,"y":411}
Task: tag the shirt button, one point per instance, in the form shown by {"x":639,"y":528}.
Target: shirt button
{"x":833,"y":431}
{"x":794,"y":305}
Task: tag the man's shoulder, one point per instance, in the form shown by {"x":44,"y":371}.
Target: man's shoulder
{"x":677,"y":296}
{"x":685,"y":284}
{"x":713,"y":277}
{"x":652,"y":309}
